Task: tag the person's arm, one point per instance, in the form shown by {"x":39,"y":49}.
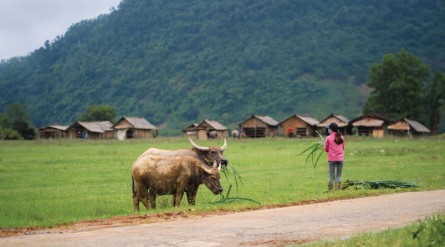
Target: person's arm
{"x":326,"y":144}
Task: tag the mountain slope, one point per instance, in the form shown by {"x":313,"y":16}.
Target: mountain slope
{"x":176,"y":62}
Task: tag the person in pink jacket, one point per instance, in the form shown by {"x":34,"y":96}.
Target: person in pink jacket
{"x":334,"y":145}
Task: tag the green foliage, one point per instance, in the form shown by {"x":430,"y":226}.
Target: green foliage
{"x":427,"y":232}
{"x":431,"y":232}
{"x":16,"y":124}
{"x":99,"y":113}
{"x":314,"y":151}
{"x":177,"y":62}
{"x":397,"y":82}
{"x":9,"y":134}
{"x":228,"y":199}
{"x":435,"y":100}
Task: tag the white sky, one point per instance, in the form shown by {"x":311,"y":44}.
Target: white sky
{"x":25,"y":25}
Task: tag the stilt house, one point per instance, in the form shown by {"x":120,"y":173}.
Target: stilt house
{"x":134,"y":127}
{"x":301,"y":125}
{"x":53,"y":132}
{"x":91,"y":130}
{"x":406,"y":126}
{"x":370,"y":125}
{"x":341,"y":121}
{"x":259,"y":126}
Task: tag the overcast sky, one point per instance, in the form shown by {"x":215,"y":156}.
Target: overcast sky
{"x":25,"y":25}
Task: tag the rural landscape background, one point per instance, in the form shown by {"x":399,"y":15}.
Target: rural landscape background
{"x":178,"y":62}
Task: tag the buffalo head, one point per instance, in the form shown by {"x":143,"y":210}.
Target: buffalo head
{"x":211,"y":179}
{"x":211,"y":154}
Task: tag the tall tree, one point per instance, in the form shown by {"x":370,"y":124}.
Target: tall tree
{"x":19,"y":120}
{"x":397,"y":82}
{"x":434,"y":100}
{"x":99,"y":113}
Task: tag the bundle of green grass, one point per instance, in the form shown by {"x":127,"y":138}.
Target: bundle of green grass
{"x":378,"y":184}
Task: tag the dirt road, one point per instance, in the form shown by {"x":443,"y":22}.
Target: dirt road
{"x":295,"y":224}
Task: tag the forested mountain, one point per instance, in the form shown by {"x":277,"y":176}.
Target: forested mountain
{"x":176,"y":62}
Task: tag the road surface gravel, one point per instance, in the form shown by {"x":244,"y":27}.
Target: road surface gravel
{"x":265,"y":227}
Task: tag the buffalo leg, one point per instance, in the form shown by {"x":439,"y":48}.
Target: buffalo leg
{"x":136,"y":202}
{"x":191,"y":196}
{"x":143,"y":197}
{"x":177,"y":197}
{"x":152,"y":199}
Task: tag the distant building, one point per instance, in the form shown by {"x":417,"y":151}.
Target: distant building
{"x":370,"y":125}
{"x":91,"y":130}
{"x":341,"y":121}
{"x":53,"y":132}
{"x":210,"y":129}
{"x":302,"y":125}
{"x":134,"y":127}
{"x":259,"y":126}
{"x":191,"y":130}
{"x":406,"y":126}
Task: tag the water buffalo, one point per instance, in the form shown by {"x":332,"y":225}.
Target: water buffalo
{"x":235,"y":134}
{"x":206,"y":154}
{"x":156,"y":175}
{"x":212,"y":134}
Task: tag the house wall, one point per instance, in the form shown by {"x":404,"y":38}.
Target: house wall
{"x":252,"y":123}
{"x":202,"y":134}
{"x":48,"y":133}
{"x":378,"y":132}
{"x":258,"y":124}
{"x":296,"y":123}
{"x":142,"y":134}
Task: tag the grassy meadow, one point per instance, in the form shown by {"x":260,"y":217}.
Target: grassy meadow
{"x":51,"y":182}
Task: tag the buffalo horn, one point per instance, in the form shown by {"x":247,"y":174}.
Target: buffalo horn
{"x":216,"y":165}
{"x":225,"y":145}
{"x":207,"y":169}
{"x":197,"y":146}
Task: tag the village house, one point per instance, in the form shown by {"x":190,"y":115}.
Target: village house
{"x":370,"y":125}
{"x":341,"y":121}
{"x":91,"y":130}
{"x":134,"y":127}
{"x":259,"y":126}
{"x":408,"y":127}
{"x":53,"y":132}
{"x":299,"y":126}
{"x":191,"y":130}
{"x":210,"y":129}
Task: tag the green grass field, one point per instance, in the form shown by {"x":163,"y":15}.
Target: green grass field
{"x":47,"y":183}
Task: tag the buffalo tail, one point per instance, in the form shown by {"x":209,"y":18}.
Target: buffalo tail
{"x":132,"y":184}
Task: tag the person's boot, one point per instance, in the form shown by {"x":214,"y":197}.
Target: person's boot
{"x":330,"y":187}
{"x":338,"y":186}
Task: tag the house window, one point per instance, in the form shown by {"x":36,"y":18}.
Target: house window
{"x":301,"y":132}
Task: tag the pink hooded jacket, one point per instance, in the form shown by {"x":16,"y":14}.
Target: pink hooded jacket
{"x":335,"y":152}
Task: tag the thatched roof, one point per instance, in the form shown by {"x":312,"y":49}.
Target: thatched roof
{"x":191,"y":127}
{"x":405,"y":124}
{"x":97,"y":127}
{"x":340,"y":120}
{"x":211,"y":123}
{"x":369,"y":120}
{"x":57,"y":127}
{"x":305,"y":118}
{"x":137,"y":123}
{"x":266,"y":119}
